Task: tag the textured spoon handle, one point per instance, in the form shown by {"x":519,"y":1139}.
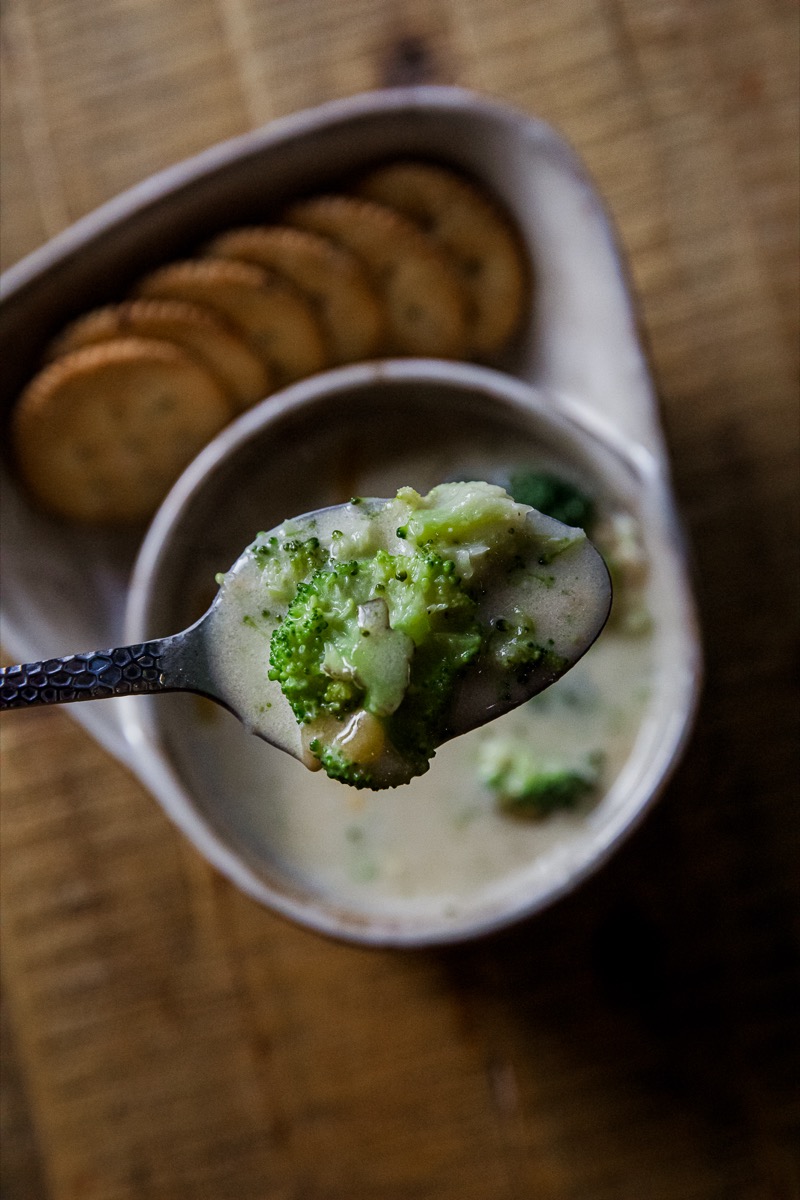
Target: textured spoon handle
{"x":126,"y":671}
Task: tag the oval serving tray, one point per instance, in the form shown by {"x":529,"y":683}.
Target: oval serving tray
{"x":581,"y":346}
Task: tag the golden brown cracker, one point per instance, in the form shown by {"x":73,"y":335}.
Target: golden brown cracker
{"x":349,"y":306}
{"x":277,"y":320}
{"x":101,"y":434}
{"x":477,"y":233}
{"x":424,"y":294}
{"x":196,"y":329}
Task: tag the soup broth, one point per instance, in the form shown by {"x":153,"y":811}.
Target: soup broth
{"x":440,"y":845}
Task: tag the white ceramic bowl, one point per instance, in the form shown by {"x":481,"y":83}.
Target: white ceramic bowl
{"x":580,"y":351}
{"x":221,"y":785}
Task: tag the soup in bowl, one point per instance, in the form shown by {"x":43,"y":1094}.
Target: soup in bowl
{"x":508,"y":817}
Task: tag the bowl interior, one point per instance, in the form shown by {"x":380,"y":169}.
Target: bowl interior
{"x":295,"y":843}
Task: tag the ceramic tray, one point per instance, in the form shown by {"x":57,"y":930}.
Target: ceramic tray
{"x":65,"y":589}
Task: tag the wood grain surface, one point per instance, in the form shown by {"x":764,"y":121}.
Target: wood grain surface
{"x":164,"y":1037}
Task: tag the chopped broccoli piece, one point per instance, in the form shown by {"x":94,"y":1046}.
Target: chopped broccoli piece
{"x":286,"y":562}
{"x":471,"y":524}
{"x":424,"y":595}
{"x":339,"y":766}
{"x":327,"y":667}
{"x":357,"y":543}
{"x":297,"y":650}
{"x":515,"y":648}
{"x":552,"y":496}
{"x":525,"y":784}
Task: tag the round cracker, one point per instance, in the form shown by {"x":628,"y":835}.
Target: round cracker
{"x":334,"y":280}
{"x":480,"y":237}
{"x":278,"y":321}
{"x":101,"y":434}
{"x":222,"y":349}
{"x":424,"y":296}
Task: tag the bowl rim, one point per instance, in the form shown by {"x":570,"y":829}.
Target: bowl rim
{"x":140,"y":726}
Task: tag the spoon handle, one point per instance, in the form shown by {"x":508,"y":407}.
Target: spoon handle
{"x":97,"y":675}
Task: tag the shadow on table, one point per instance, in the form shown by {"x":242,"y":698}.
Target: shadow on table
{"x":655,"y":1010}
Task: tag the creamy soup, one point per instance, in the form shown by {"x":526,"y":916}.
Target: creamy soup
{"x":443,"y":843}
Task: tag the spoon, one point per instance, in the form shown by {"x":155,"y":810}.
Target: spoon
{"x":223,"y":655}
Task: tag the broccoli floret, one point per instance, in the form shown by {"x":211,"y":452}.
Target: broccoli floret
{"x":552,"y":496}
{"x":330,"y":658}
{"x":515,"y":648}
{"x":424,"y":595}
{"x":285,"y":562}
{"x":298,"y":645}
{"x":471,"y":524}
{"x":525,"y":784}
{"x":359,"y":542}
{"x":338,"y":766}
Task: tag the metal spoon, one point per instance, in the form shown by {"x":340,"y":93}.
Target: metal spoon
{"x":189,"y":661}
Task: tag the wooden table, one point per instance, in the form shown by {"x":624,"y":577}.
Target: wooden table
{"x":165,"y":1037}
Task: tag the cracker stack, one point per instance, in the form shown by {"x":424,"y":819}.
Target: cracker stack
{"x":414,"y":260}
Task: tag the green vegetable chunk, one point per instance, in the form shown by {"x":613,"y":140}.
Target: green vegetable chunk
{"x":515,"y":647}
{"x":552,"y":496}
{"x":474,"y":525}
{"x":284,"y":564}
{"x":338,"y":766}
{"x":334,"y":653}
{"x":527,"y":785}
